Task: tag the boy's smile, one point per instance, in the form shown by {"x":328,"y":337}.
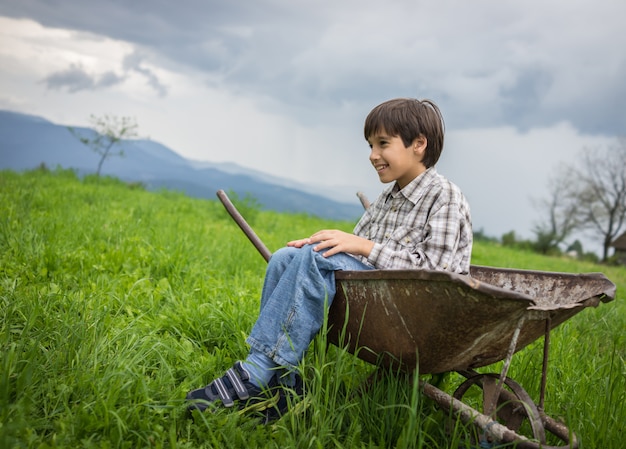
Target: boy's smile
{"x":395,"y":162}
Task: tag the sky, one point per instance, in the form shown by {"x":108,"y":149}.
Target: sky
{"x":283,"y":86}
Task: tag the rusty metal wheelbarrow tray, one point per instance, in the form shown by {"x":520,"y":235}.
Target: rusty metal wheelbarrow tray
{"x":436,"y":321}
{"x":439,"y":321}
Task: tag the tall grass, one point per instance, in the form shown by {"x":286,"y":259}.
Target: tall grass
{"x":114,"y":302}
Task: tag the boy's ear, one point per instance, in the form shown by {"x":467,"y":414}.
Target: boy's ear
{"x":419,"y":144}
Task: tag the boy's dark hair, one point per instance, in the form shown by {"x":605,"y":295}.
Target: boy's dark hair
{"x":407,"y":118}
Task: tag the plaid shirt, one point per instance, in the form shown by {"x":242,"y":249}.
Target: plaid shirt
{"x":425,"y":225}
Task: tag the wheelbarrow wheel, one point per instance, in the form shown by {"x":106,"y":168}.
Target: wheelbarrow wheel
{"x":511,"y":406}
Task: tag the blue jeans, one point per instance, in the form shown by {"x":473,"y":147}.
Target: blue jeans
{"x":299,"y":283}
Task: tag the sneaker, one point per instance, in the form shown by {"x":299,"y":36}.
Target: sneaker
{"x":287,"y":396}
{"x":234,"y":386}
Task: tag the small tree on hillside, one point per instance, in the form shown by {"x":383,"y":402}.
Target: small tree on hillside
{"x":110,"y":131}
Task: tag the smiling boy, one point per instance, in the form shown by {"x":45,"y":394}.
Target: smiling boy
{"x":420,"y":221}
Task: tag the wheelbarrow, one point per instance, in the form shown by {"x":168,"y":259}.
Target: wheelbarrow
{"x":436,"y":322}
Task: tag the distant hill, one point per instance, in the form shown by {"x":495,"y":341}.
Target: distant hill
{"x":27,"y":141}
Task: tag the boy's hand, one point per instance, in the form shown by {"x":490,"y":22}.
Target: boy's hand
{"x":336,"y":242}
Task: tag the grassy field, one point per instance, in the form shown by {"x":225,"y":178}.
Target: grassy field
{"x":114,"y":302}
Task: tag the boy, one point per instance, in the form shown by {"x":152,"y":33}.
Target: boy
{"x":421,"y":221}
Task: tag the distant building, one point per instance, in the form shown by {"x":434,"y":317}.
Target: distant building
{"x":620,"y":248}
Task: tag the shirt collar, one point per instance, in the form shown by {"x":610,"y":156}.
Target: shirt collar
{"x":414,"y":189}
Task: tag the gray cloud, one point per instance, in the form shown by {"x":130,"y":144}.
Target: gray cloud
{"x":109,"y":79}
{"x":133,"y":62}
{"x":487,"y":64}
{"x":75,"y":79}
{"x":522,"y":101}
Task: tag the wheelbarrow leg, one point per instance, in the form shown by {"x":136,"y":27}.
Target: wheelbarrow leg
{"x":544,"y":368}
{"x":491,"y":397}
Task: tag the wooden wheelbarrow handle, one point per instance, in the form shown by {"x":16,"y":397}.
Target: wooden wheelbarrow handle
{"x":245,"y":227}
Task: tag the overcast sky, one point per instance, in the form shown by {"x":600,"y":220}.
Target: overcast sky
{"x":283,"y":86}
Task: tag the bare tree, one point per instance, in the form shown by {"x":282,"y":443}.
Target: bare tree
{"x":110,"y":131}
{"x":601,"y":191}
{"x":561,"y":211}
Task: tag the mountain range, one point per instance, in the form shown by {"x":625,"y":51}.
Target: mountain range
{"x":27,"y":141}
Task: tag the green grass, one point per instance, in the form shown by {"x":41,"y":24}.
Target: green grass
{"x":114,"y":302}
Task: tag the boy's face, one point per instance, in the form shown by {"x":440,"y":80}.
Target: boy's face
{"x":395,"y":162}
